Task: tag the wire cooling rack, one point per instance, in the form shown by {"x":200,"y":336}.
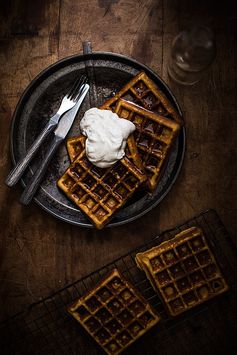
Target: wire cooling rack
{"x":46,"y":327}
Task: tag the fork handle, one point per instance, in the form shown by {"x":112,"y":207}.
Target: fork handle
{"x":36,"y":179}
{"x":17,"y":172}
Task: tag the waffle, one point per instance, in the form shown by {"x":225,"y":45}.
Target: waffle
{"x":76,"y":145}
{"x":100,"y":192}
{"x":114,"y":313}
{"x":142,"y":91}
{"x":154,"y":136}
{"x":183,"y":270}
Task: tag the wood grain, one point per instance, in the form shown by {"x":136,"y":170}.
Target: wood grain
{"x":39,"y":254}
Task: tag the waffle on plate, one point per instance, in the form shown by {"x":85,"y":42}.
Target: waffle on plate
{"x":183,"y":270}
{"x":114,"y":313}
{"x":100,"y":197}
{"x":142,"y":91}
{"x":154,"y":136}
{"x":100,"y":192}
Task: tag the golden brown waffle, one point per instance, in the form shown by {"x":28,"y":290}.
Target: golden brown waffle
{"x":183,"y":270}
{"x":99,"y":192}
{"x":154,"y":136}
{"x":76,"y":145}
{"x":114,"y":313}
{"x":142,"y":91}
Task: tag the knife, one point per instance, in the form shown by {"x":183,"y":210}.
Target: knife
{"x":59,"y":135}
{"x":67,"y":103}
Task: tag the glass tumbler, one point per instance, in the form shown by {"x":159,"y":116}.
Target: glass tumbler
{"x":191,"y":54}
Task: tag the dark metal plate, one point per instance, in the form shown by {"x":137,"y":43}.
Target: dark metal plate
{"x":39,"y":102}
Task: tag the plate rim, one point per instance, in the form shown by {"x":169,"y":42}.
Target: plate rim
{"x":84,"y":57}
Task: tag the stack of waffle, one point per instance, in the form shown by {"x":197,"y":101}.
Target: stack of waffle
{"x":114,"y":313}
{"x":98,"y":192}
{"x":183,"y":270}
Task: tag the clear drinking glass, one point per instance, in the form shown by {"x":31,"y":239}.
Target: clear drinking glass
{"x":191,"y":54}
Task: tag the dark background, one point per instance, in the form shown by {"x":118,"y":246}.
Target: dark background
{"x":40,"y":254}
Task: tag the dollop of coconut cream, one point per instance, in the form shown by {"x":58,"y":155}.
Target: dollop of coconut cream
{"x":106,"y":136}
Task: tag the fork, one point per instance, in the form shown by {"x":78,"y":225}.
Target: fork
{"x":67,"y":103}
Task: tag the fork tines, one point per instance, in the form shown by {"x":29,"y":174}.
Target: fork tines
{"x":78,"y":84}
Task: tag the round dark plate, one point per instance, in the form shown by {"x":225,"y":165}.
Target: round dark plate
{"x":41,"y":99}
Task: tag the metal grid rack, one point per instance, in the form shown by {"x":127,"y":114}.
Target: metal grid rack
{"x":46,"y":327}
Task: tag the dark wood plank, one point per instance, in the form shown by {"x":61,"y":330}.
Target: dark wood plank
{"x":130,"y":27}
{"x":209,"y":108}
{"x":28,"y":42}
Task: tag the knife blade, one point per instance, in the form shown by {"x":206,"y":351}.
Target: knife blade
{"x":59,"y":135}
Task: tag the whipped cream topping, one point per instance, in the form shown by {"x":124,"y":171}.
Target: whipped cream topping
{"x":106,"y":136}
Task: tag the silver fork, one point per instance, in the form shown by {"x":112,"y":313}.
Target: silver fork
{"x":67,"y":103}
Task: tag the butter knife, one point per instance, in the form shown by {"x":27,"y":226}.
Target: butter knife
{"x":59,"y":135}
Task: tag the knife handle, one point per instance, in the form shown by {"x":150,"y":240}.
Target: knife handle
{"x":17,"y":172}
{"x":36,"y":179}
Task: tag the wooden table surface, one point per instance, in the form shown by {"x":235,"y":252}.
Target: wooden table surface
{"x":40,"y":254}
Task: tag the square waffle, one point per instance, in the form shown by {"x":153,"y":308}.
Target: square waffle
{"x":183,"y":270}
{"x":154,"y":136}
{"x":100,"y":192}
{"x":76,"y":145}
{"x":114,"y":313}
{"x":142,"y":91}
